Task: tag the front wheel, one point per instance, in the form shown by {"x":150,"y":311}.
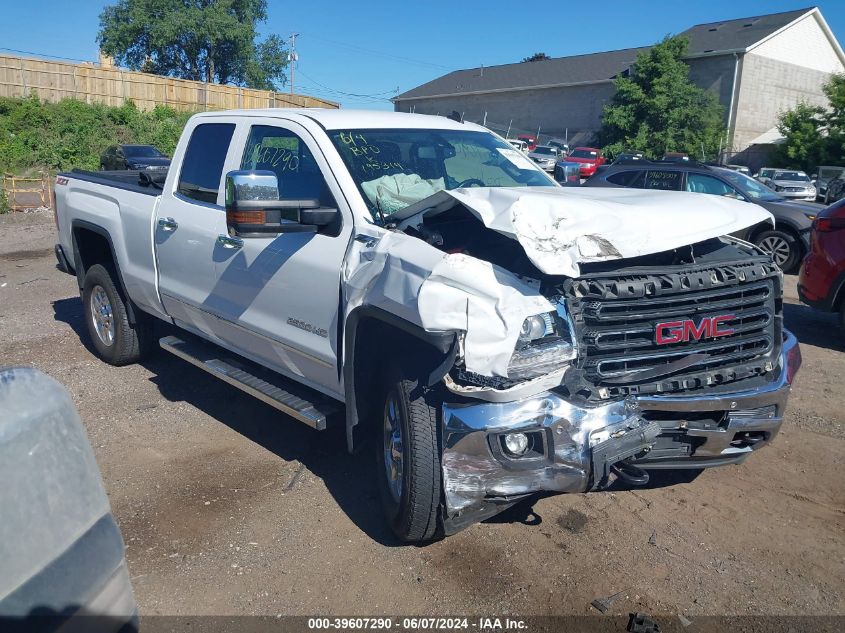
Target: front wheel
{"x":782,"y":247}
{"x":408,"y":459}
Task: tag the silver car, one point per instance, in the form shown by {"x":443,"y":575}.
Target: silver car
{"x":545,"y":156}
{"x":792,"y":184}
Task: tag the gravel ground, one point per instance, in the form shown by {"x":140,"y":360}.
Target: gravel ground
{"x":228,"y":507}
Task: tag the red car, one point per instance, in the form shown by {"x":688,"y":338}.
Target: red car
{"x":589,"y":157}
{"x":821,"y":283}
{"x":531,"y":141}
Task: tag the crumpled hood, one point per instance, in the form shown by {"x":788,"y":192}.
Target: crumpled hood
{"x":561,"y":228}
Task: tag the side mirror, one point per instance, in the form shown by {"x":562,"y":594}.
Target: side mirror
{"x":814,"y":176}
{"x":253,"y":207}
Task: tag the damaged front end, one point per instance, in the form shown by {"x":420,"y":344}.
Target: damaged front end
{"x":592,"y":343}
{"x":496,"y":453}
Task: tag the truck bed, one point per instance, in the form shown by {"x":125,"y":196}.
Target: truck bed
{"x":148,"y":182}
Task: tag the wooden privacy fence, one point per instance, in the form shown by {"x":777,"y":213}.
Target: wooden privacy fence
{"x":27,"y":193}
{"x":54,"y":81}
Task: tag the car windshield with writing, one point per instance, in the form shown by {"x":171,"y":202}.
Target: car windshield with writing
{"x":749,"y":187}
{"x":141,"y":151}
{"x":550,"y":151}
{"x":396,"y":168}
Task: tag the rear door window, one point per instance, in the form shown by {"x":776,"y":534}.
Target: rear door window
{"x":627,"y":178}
{"x":663,"y":179}
{"x":202,"y":165}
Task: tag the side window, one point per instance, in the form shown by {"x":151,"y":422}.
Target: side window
{"x":702,"y":183}
{"x":284,"y":153}
{"x":663,"y":179}
{"x":627,"y":179}
{"x":202,"y":165}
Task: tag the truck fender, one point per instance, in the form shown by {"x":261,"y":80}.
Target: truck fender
{"x":80,"y":270}
{"x":445,"y":344}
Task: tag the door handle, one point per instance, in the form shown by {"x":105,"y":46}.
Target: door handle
{"x":168,"y":224}
{"x":229,"y":242}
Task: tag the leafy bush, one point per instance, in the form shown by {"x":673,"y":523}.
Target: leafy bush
{"x":4,"y":202}
{"x":36,"y":134}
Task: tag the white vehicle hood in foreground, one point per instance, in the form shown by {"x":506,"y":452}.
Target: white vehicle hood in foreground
{"x":560,"y":228}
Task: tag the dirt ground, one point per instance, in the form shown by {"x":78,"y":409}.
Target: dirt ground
{"x":228,"y":507}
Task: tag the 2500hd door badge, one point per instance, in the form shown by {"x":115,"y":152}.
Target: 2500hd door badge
{"x":302,"y":325}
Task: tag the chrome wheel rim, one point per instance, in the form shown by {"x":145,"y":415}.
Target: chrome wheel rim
{"x":777,"y":248}
{"x":392,"y":446}
{"x":102,"y":317}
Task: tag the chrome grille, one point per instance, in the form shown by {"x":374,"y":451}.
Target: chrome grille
{"x":615,"y":322}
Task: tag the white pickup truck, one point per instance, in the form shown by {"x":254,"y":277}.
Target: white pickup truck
{"x":487,"y":332}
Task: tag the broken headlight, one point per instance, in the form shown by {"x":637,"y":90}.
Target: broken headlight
{"x":544,"y":346}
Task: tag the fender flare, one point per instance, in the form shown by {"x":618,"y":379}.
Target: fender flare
{"x":79,"y":269}
{"x":444,"y":342}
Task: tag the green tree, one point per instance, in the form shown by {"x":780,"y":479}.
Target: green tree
{"x":203,"y":40}
{"x":657,"y":109}
{"x":536,"y":57}
{"x":805,"y":145}
{"x":814,"y":135}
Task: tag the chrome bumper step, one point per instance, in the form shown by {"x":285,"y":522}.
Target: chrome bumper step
{"x":297,"y":401}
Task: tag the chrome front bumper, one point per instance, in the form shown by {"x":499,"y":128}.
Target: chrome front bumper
{"x":573,"y":446}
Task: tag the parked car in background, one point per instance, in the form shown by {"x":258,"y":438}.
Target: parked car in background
{"x":835,"y":189}
{"x":824,"y":174}
{"x":628,"y":156}
{"x":119,"y":157}
{"x":763,"y":174}
{"x":567,"y":173}
{"x":786,"y":242}
{"x":563,"y":146}
{"x":530,"y":141}
{"x":791,"y":184}
{"x":740,"y":168}
{"x":821,"y":283}
{"x":522,"y":146}
{"x":589,"y":158}
{"x":545,"y":156}
{"x":675,"y":157}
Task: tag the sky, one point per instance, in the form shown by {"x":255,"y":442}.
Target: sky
{"x":360,"y":53}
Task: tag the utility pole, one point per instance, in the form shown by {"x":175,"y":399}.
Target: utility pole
{"x":293,"y":59}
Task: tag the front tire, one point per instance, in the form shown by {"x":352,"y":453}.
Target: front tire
{"x":782,"y":247}
{"x":408,"y":459}
{"x":115,"y":340}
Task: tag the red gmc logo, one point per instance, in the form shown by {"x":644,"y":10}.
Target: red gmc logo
{"x":683,"y":331}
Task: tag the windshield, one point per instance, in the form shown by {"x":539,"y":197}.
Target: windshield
{"x":749,"y":187}
{"x":791,"y":175}
{"x":395,"y":168}
{"x":141,"y":151}
{"x":545,"y":150}
{"x":583,"y":153}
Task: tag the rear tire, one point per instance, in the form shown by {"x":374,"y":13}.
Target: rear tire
{"x":115,"y":340}
{"x":408,"y":459}
{"x":783,"y":248}
{"x":842,"y":317}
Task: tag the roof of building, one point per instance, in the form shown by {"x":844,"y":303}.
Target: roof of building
{"x":723,"y":37}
